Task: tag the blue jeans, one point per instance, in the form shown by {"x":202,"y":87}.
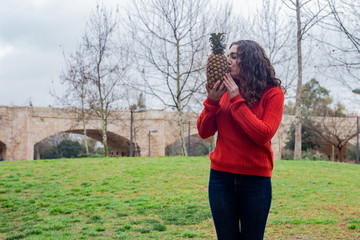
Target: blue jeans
{"x":239,"y":205}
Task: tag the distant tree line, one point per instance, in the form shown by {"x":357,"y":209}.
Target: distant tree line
{"x":326,"y":131}
{"x":65,"y":149}
{"x":62,"y":146}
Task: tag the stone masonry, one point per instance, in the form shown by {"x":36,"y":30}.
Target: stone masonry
{"x":22,"y":127}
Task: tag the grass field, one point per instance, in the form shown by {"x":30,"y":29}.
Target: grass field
{"x":166,"y":198}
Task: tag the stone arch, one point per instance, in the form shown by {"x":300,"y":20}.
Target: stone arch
{"x":195,"y":141}
{"x":119,"y":145}
{"x":37,"y":146}
{"x":2,"y":151}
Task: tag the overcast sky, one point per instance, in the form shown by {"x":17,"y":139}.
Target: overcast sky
{"x":33,"y":36}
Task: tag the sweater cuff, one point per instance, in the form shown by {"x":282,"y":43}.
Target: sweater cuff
{"x":237,"y":98}
{"x":211,"y":104}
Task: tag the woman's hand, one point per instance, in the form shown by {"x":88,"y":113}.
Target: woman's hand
{"x":216,"y":92}
{"x":231,"y":86}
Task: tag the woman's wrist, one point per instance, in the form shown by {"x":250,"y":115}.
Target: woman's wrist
{"x":212,"y":101}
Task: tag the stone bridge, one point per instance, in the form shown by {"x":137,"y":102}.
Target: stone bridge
{"x":22,"y":127}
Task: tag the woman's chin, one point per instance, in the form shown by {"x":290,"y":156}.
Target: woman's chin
{"x":234,"y":76}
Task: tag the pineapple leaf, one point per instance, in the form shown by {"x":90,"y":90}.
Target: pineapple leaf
{"x":217,"y":43}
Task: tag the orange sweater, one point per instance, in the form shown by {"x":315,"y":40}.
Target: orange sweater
{"x":243,"y":144}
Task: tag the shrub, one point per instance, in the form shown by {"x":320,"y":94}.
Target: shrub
{"x":351,"y":152}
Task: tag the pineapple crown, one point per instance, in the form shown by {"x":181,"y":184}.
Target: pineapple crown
{"x":217,"y":43}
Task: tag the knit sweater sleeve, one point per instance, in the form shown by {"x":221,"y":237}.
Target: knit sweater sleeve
{"x":259,"y":130}
{"x":206,"y":122}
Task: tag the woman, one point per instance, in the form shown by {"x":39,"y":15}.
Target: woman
{"x":246,"y":110}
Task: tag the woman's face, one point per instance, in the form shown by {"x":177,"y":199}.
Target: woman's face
{"x":234,"y":61}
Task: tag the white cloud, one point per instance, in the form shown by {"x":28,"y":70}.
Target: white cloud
{"x":5,"y":50}
{"x":38,"y":3}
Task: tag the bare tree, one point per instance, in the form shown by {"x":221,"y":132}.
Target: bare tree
{"x":273,"y":29}
{"x":75,"y":78}
{"x":345,"y":53}
{"x":336,"y":131}
{"x":94,"y":73}
{"x":171,"y":39}
{"x":314,"y":12}
{"x":108,"y":62}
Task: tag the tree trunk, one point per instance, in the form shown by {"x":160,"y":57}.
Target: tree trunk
{"x":181,"y":131}
{"x":297,"y":150}
{"x":85,"y":131}
{"x":104,"y":135}
{"x":85,"y":140}
{"x":102,"y":110}
{"x":103,"y":128}
{"x":279,"y":141}
{"x":179,"y":110}
{"x":341,"y":149}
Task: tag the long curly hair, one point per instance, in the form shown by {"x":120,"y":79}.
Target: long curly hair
{"x":256,"y":71}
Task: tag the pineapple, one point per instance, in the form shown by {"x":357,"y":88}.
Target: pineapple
{"x":217,"y":64}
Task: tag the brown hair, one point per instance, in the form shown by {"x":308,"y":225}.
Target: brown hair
{"x":256,"y":71}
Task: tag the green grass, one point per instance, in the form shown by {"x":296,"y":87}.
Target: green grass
{"x":166,"y":198}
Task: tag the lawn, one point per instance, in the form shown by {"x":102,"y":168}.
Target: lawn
{"x":166,"y":198}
